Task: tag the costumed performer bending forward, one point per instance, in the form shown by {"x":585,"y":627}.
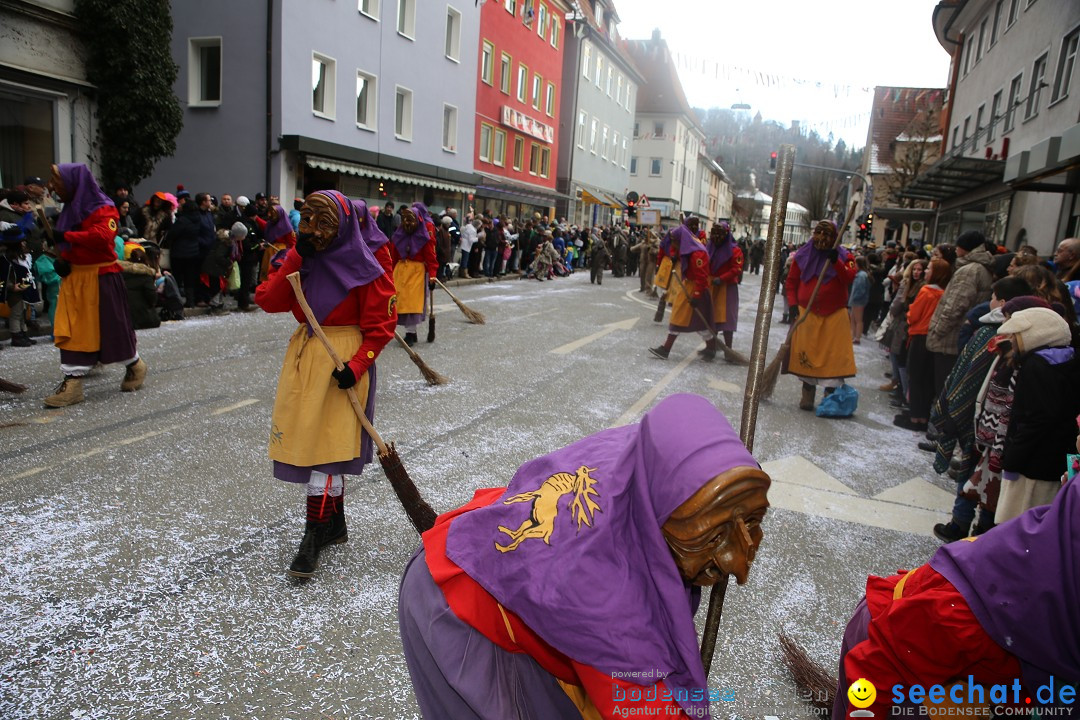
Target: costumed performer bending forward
{"x":512,"y":609}
{"x":821,"y":352}
{"x":688,"y":290}
{"x":998,"y":610}
{"x":412,"y":247}
{"x":316,"y":438}
{"x":725,"y":271}
{"x":93,"y":324}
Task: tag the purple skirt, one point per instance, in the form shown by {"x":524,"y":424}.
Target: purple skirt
{"x":410,"y":319}
{"x":731,"y":310}
{"x":457,"y":672}
{"x":114,"y":320}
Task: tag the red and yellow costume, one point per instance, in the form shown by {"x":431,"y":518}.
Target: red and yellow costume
{"x":821,"y":344}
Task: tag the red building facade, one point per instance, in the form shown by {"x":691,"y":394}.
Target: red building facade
{"x":517,"y":105}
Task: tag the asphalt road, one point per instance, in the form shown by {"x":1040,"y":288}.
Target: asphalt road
{"x":144,"y":540}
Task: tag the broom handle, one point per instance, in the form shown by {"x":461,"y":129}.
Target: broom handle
{"x":401,"y":341}
{"x":821,"y":275}
{"x":439,"y":283}
{"x":294,"y":280}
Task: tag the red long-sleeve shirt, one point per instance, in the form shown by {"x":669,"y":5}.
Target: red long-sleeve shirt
{"x":833,"y":294}
{"x":370,"y":307}
{"x":696,"y":274}
{"x":732,"y":270}
{"x":94,"y":241}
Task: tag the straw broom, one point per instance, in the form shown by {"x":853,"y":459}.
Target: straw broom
{"x":471,"y":315}
{"x":432,"y":377}
{"x":431,"y":317}
{"x":730,"y":354}
{"x":11,"y":387}
{"x":772,"y":371}
{"x":819,"y":684}
{"x":420,"y":513}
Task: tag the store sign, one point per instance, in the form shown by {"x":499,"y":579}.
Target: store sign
{"x":916,"y":230}
{"x":523,"y":123}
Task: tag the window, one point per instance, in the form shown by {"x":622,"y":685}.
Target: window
{"x":484,"y":150}
{"x":511,"y":6}
{"x":370,"y":8}
{"x":534,"y":159}
{"x":995,"y":111}
{"x":581,"y":119}
{"x":600,"y":15}
{"x":453,"y":34}
{"x":549,"y":100}
{"x":1014,"y":10}
{"x":627,"y":103}
{"x":586,"y":59}
{"x":366,"y":100}
{"x":997,"y":22}
{"x":658,"y":129}
{"x":322,"y":85}
{"x":449,"y":128}
{"x":625,"y":151}
{"x":654,"y":167}
{"x":618,"y":90}
{"x":506,"y":65}
{"x":979,"y":122}
{"x":406,"y":18}
{"x":523,"y":79}
{"x":637,"y":130}
{"x":599,"y":69}
{"x":545,"y":162}
{"x":982,"y":39}
{"x":1038,"y":82}
{"x":615,"y":148}
{"x":542,"y":20}
{"x":204,"y":71}
{"x":498,"y":155}
{"x":1066,"y":63}
{"x":633,"y":165}
{"x":970,"y":43}
{"x":1015,"y":87}
{"x":604,"y":144}
{"x":955,"y":137}
{"x":593,"y":135}
{"x":519,"y":152}
{"x":527,"y":13}
{"x":964,"y":136}
{"x":537,"y":84}
{"x":487,"y":56}
{"x":403,"y":114}
{"x":609,"y":78}
{"x":555,"y":25}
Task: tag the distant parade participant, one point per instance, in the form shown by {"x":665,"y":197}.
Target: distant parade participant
{"x":821,"y":351}
{"x":515,"y":608}
{"x":315,"y":436}
{"x":725,"y":273}
{"x":691,"y":308}
{"x":376,"y":240}
{"x":92,"y":324}
{"x":416,"y":266}
{"x":663,"y":275}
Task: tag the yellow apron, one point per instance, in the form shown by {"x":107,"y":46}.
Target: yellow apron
{"x":663,"y":273}
{"x":313,"y":422}
{"x":821,"y":347}
{"x":410,"y":278}
{"x":78,"y":320}
{"x":719,"y":302}
{"x":681,"y":310}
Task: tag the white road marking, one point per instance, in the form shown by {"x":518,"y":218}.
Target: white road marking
{"x":608,"y":329}
{"x":645,"y":400}
{"x":235,"y":406}
{"x":724,"y":386}
{"x":650,"y":303}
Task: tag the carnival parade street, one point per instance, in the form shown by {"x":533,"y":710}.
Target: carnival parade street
{"x":145,"y":538}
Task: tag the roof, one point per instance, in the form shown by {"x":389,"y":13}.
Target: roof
{"x":662,"y":92}
{"x":614,"y":44}
{"x":954,"y":175}
{"x":896,"y":112}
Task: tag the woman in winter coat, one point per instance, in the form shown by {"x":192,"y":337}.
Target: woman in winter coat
{"x":920,"y":363}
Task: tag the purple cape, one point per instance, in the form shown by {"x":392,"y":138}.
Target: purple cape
{"x":86,"y":196}
{"x":720,"y":253}
{"x":408,"y":246}
{"x":811,"y":260}
{"x":688,"y":244}
{"x":280,"y":228}
{"x":608,"y":594}
{"x":373,"y":236}
{"x":1022,"y":581}
{"x":331,"y":274}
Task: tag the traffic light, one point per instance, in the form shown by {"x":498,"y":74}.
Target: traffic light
{"x":772,"y":162}
{"x":870,"y":226}
{"x":862,"y":235}
{"x":631,"y":204}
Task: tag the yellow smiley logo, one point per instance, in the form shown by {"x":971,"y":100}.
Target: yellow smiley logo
{"x":862,"y":693}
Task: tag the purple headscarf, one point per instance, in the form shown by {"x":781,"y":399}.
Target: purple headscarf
{"x":643,"y":472}
{"x":1022,"y":581}
{"x":280,"y":227}
{"x":720,"y":253}
{"x":369,"y":229}
{"x":330,"y":274}
{"x":86,"y":196}
{"x":688,"y":244}
{"x":409,"y":246}
{"x":811,"y":261}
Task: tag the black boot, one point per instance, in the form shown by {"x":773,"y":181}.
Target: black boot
{"x":339,"y":531}
{"x":709,"y":351}
{"x":307,"y":557}
{"x":410,"y":339}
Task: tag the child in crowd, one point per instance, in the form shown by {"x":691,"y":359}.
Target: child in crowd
{"x":18,"y":289}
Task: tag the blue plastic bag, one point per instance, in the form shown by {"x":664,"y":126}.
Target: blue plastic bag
{"x":841,"y":403}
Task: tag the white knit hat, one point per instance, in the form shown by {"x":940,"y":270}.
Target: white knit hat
{"x":1036,"y":328}
{"x":242,"y":201}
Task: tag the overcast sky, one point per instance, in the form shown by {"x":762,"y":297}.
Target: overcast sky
{"x":816,"y":62}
